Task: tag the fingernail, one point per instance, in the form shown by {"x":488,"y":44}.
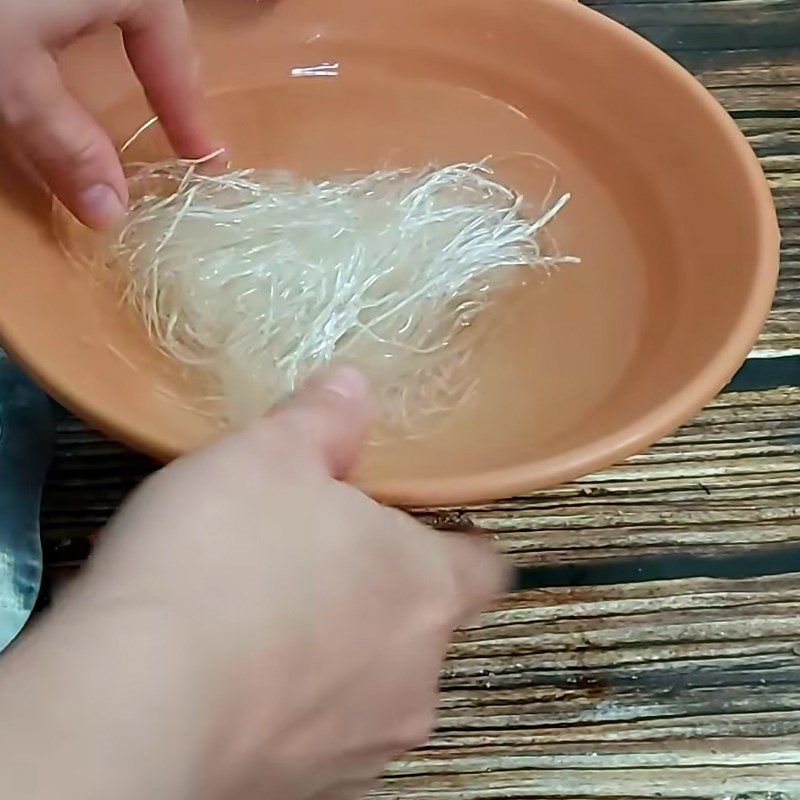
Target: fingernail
{"x":347,"y":382}
{"x":101,"y":206}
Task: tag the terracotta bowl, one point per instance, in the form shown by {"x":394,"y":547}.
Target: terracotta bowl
{"x":671,"y":216}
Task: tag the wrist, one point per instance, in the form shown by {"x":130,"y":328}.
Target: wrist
{"x":100,"y":702}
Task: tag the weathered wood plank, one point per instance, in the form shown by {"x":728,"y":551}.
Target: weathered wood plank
{"x":681,"y":27}
{"x":670,"y":783}
{"x":681,"y":689}
{"x":752,"y":88}
{"x":727,"y":482}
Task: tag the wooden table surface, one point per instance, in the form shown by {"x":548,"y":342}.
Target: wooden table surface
{"x":655,"y":651}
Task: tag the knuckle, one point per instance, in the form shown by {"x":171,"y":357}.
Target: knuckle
{"x":425,"y":726}
{"x":81,"y":153}
{"x":15,"y":108}
{"x":417,"y":730}
{"x":445,"y":611}
{"x":21,"y":79}
{"x":49,"y":129}
{"x":45,"y":137}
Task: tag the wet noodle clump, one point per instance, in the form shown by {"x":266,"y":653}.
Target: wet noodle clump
{"x":259,"y":278}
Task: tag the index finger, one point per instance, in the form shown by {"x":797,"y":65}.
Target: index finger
{"x":158,"y":42}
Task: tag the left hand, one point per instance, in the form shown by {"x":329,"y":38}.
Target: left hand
{"x":54,"y":134}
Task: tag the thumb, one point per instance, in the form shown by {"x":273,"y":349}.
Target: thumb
{"x":329,"y":416}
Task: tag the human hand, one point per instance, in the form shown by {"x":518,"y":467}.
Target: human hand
{"x":47,"y":127}
{"x":294,"y":629}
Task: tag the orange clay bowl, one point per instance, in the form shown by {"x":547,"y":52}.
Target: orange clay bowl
{"x":670,"y":214}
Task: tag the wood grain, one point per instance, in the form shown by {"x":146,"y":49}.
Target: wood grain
{"x":726,"y":482}
{"x":766,"y":102}
{"x":681,"y":689}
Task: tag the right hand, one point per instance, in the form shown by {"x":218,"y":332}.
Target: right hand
{"x":315,"y":619}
